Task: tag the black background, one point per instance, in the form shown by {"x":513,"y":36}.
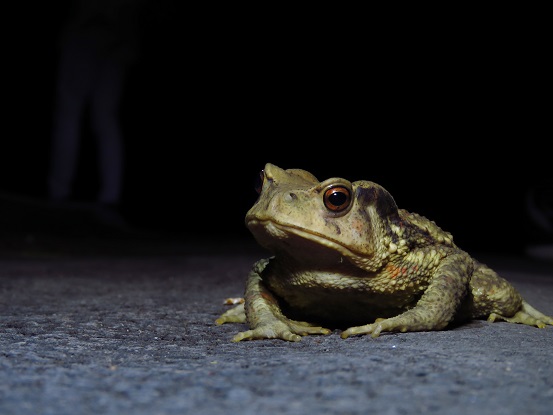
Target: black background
{"x":449,"y":117}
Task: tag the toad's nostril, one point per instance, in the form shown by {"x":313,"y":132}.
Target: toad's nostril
{"x":290,"y":197}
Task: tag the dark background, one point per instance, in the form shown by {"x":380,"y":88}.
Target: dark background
{"x":450,"y":118}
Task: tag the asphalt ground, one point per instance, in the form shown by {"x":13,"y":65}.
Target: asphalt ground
{"x":110,"y":321}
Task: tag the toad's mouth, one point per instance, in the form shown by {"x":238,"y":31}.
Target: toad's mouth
{"x":272,"y":234}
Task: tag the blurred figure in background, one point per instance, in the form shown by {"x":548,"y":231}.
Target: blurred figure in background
{"x":98,"y":44}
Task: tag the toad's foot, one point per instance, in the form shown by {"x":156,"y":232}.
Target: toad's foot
{"x":234,"y":315}
{"x":526,"y":315}
{"x":373,"y":329}
{"x":289,"y":330}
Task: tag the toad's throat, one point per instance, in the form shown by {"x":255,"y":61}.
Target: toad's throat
{"x":282,"y":231}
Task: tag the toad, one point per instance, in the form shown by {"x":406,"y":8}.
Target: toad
{"x":344,"y":256}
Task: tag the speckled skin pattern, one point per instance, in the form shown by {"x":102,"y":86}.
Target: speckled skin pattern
{"x":345,"y":257}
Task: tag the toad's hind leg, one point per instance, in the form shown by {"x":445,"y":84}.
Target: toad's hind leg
{"x":526,"y":315}
{"x":495,"y":298}
{"x":234,"y":315}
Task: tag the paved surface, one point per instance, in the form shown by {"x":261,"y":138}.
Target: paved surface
{"x":124,"y":324}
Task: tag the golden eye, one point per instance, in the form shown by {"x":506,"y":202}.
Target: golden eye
{"x":337,"y":198}
{"x":258,"y":185}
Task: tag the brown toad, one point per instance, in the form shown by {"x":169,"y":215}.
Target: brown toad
{"x":344,"y":255}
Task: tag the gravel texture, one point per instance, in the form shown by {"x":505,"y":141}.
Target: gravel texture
{"x":131,"y":331}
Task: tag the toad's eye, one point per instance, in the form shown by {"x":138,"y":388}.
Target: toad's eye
{"x":258,"y":185}
{"x":337,"y":198}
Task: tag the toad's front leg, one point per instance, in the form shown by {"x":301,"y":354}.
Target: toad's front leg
{"x":264,"y":315}
{"x":437,"y":306}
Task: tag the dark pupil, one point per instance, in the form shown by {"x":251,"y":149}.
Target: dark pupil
{"x":337,"y":198}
